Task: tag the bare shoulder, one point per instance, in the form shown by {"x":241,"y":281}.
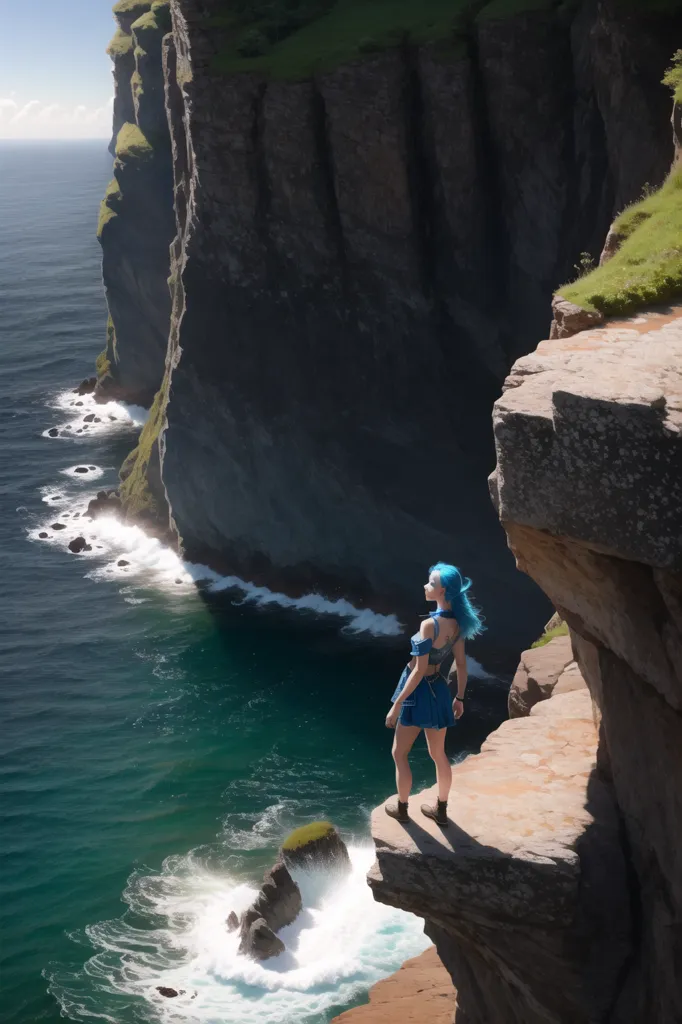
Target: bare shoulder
{"x":426,"y":629}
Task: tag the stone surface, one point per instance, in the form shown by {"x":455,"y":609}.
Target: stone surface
{"x":537,"y":675}
{"x":569,"y":319}
{"x":529,"y":871}
{"x":277,"y":904}
{"x":420,"y":991}
{"x":596,"y":522}
{"x":260,"y":942}
{"x":77,"y":545}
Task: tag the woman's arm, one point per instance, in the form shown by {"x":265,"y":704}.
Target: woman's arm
{"x":459,"y":671}
{"x":415,"y":677}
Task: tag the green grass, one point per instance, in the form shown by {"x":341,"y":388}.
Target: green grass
{"x":106,"y":214}
{"x":549,"y":634}
{"x":131,"y":144}
{"x":156,"y":20}
{"x":647,"y":269}
{"x":350,"y":29}
{"x":307,"y":834}
{"x":136,"y":7}
{"x":120,"y":45}
{"x":108,"y":208}
{"x":102,"y":365}
{"x":136,"y":83}
{"x":673,"y":76}
{"x":135,"y":492}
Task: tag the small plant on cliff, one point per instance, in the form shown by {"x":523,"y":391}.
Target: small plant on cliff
{"x":673,"y":76}
{"x":585,"y":264}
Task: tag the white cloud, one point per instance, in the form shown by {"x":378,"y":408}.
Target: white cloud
{"x":34,"y":119}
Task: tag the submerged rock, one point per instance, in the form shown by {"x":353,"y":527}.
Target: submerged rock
{"x":317,"y":845}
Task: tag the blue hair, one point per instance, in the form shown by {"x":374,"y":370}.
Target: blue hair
{"x":468,"y":618}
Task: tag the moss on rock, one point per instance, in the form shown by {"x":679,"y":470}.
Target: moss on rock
{"x":137,"y":489}
{"x":308,"y":834}
{"x":132,"y":144}
{"x":673,"y":76}
{"x":132,"y":7}
{"x":121,"y":45}
{"x":551,"y":631}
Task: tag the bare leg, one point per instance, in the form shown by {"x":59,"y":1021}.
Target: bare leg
{"x":405,"y":735}
{"x":435,"y":741}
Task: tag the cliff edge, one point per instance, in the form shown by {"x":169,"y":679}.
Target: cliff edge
{"x":556,"y":894}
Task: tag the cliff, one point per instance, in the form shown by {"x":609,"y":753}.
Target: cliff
{"x":556,"y":894}
{"x":137,"y":223}
{"x":366,"y":240}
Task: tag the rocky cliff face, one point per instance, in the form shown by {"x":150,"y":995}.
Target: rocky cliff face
{"x":137,"y":222}
{"x":556,"y":893}
{"x":360,"y":256}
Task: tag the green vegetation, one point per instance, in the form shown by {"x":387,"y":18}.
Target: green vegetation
{"x":136,"y":84}
{"x":647,"y":269}
{"x":108,"y":208}
{"x":136,"y":494}
{"x":102,"y":365}
{"x":289,"y":39}
{"x":132,"y":7}
{"x":550,"y":632}
{"x":155,"y":20}
{"x":307,"y":834}
{"x":103,"y":361}
{"x":121,"y":45}
{"x":132,"y":144}
{"x":673,"y":76}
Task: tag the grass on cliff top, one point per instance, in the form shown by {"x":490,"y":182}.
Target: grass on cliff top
{"x":560,"y":630}
{"x":334,"y":33}
{"x":120,"y":45}
{"x":157,"y":19}
{"x":132,"y":144}
{"x":307,"y":834}
{"x":128,"y":7}
{"x":135,"y":492}
{"x":647,"y":269}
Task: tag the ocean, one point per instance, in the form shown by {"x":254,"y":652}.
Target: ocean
{"x":161,"y":736}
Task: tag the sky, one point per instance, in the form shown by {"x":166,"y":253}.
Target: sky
{"x":55,"y":77}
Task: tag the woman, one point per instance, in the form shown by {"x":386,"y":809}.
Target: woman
{"x":422,"y":698}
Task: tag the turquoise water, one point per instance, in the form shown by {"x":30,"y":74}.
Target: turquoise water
{"x":159,"y":741}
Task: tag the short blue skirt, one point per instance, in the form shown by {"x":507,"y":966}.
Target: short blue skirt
{"x":429,"y":706}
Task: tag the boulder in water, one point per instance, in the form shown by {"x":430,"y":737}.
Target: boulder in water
{"x":169,"y":993}
{"x":43,"y":535}
{"x":77,"y":545}
{"x":58,"y":526}
{"x":86,"y":387}
{"x":89,"y":418}
{"x":317,"y":845}
{"x":232,"y":921}
{"x":122,"y":562}
{"x":261,"y":941}
{"x":106,"y":501}
{"x":53,"y":432}
{"x":81,"y":469}
{"x":277,"y":904}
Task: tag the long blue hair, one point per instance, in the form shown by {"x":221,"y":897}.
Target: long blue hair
{"x":468,"y":618}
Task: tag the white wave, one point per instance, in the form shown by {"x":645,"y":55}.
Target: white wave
{"x":475,"y":669}
{"x":86,"y":417}
{"x":340,"y":945}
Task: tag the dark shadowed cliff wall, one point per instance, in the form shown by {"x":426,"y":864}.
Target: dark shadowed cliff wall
{"x":360,"y":256}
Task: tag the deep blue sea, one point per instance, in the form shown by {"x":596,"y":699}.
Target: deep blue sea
{"x":158,"y":741}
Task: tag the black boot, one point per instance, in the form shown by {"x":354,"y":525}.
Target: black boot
{"x":397,"y":810}
{"x":439,"y":813}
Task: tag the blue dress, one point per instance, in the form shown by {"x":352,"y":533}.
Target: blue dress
{"x":429,"y":706}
